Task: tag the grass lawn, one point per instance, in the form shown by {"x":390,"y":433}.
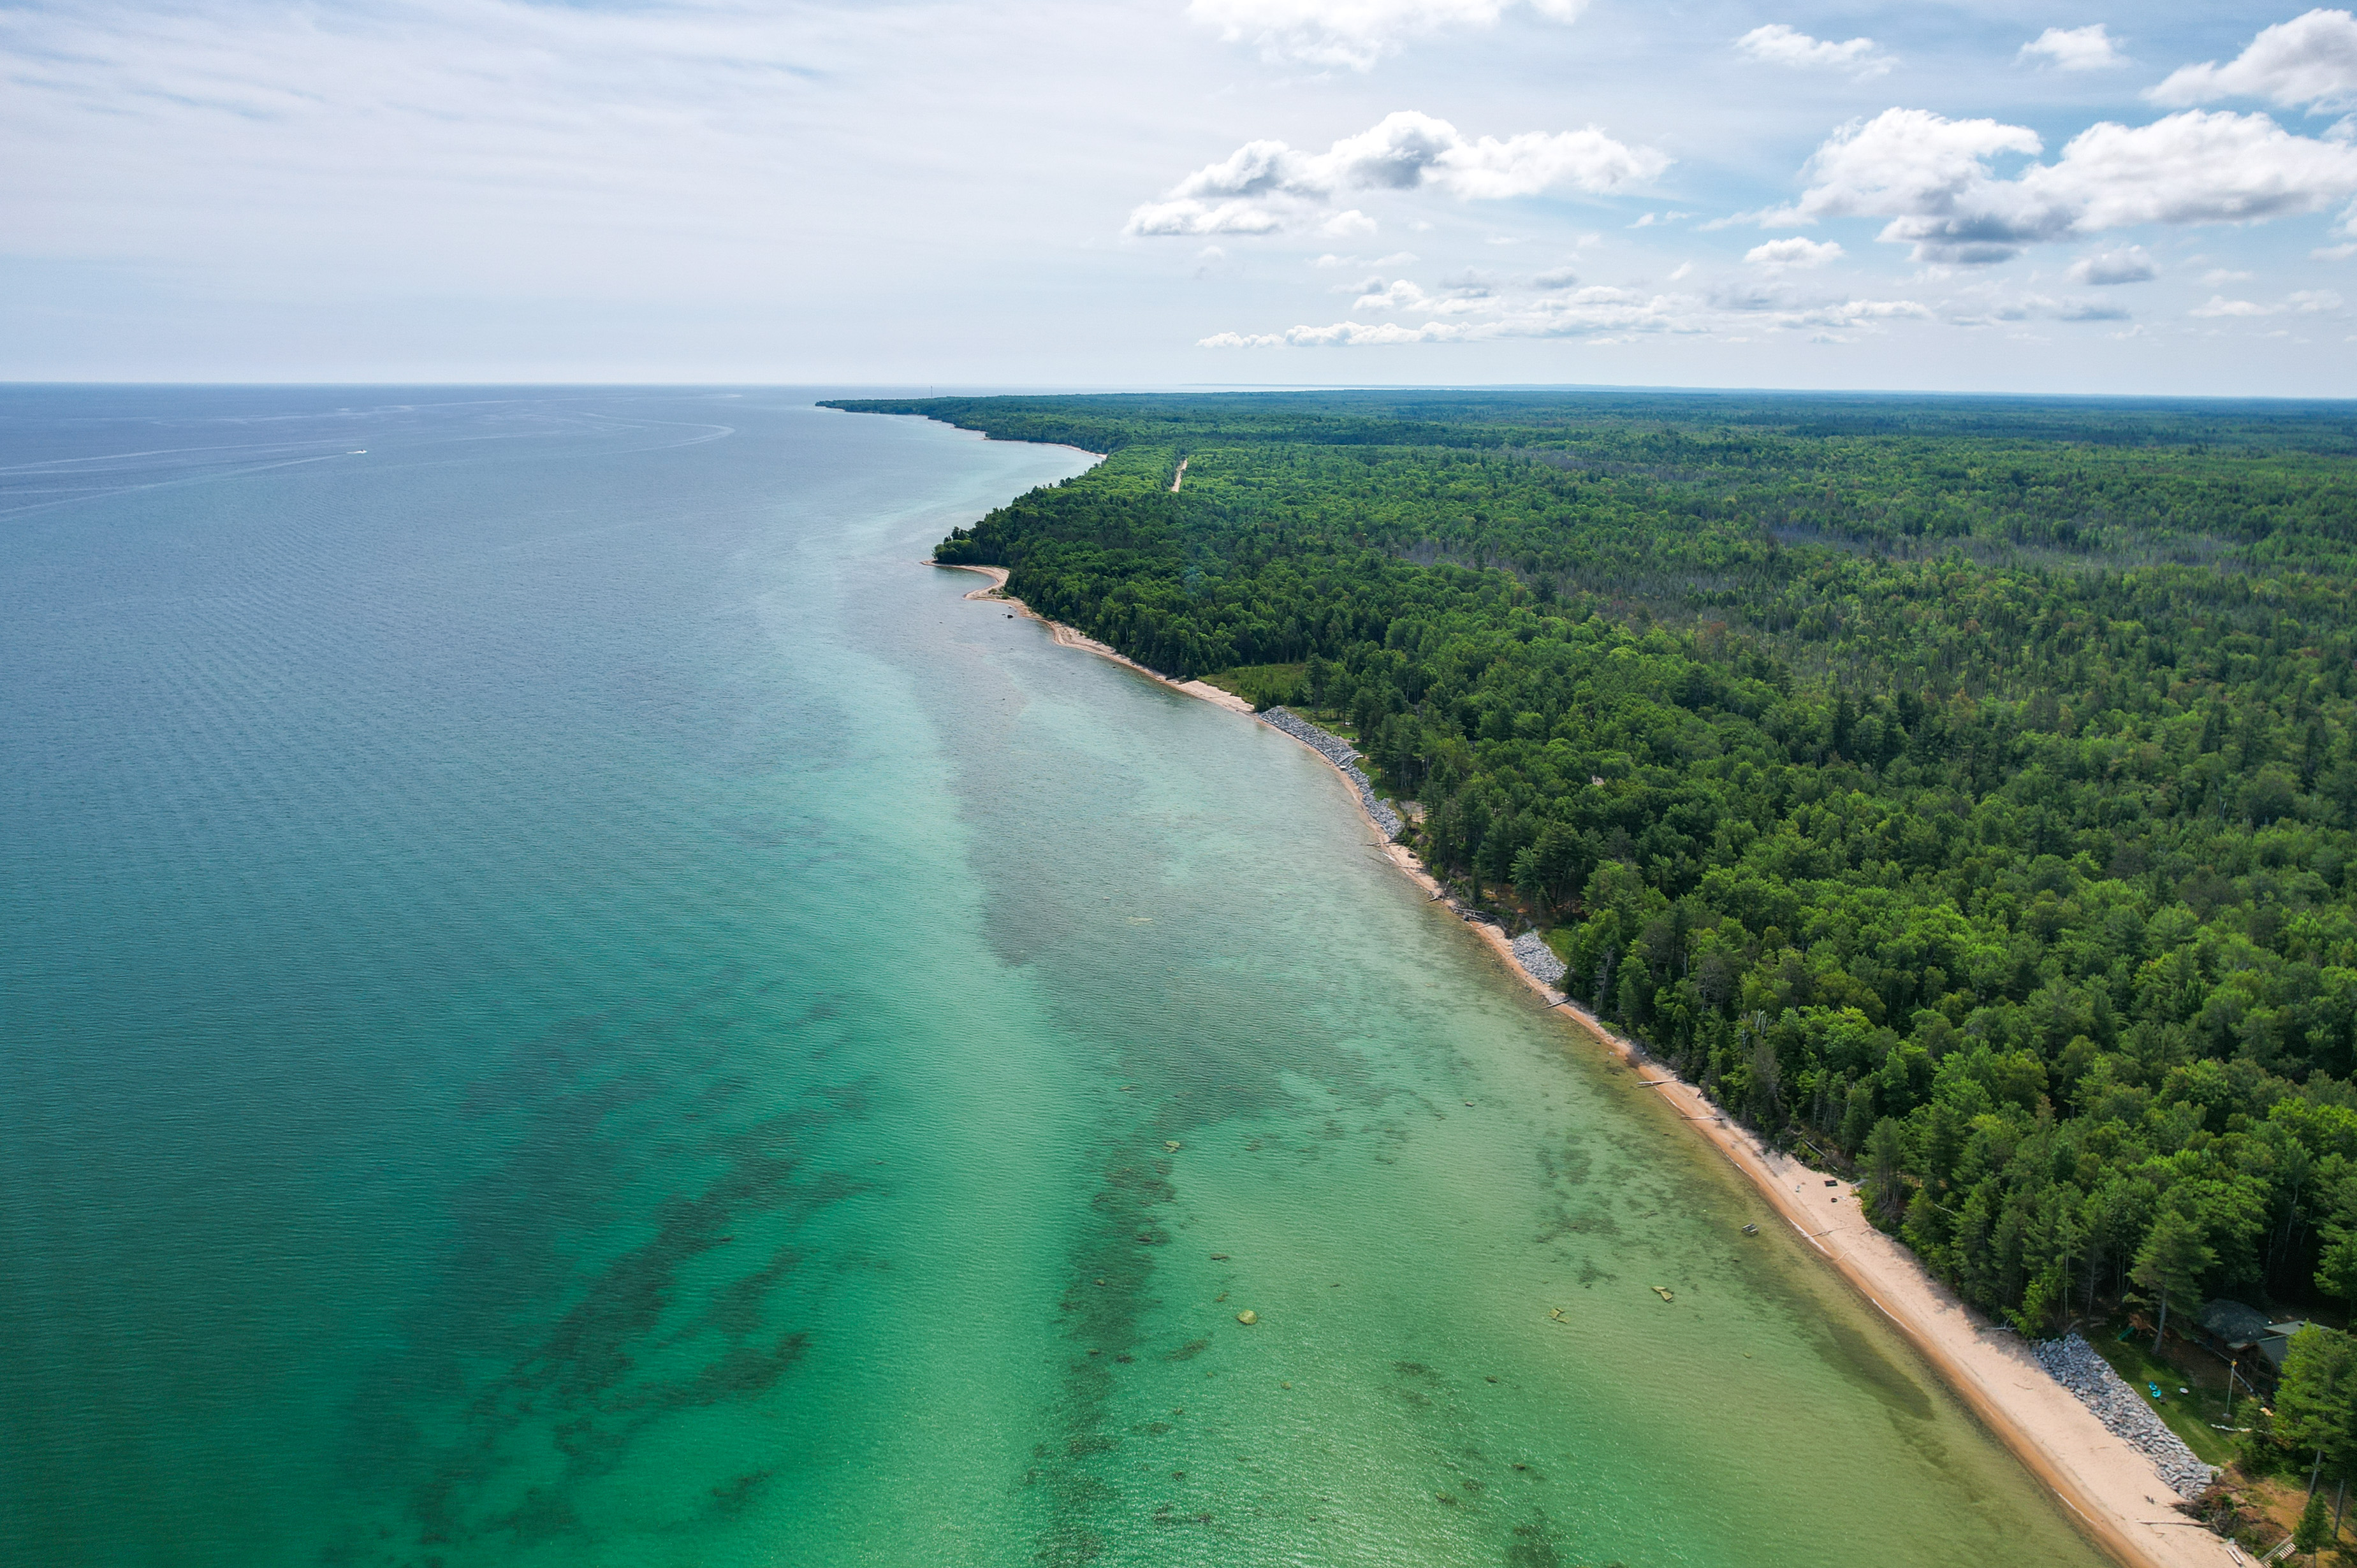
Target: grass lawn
{"x":1325,"y":719}
{"x":2190,"y":1414}
{"x":1260,"y":684}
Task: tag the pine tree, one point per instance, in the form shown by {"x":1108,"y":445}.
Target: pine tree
{"x":2315,"y":1525}
{"x":1886,"y":1153}
{"x":2336,"y":1271}
{"x":2315,"y":1406}
{"x":2172,"y":1263}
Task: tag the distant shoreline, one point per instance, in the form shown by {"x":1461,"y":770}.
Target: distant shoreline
{"x":2112,"y":1489}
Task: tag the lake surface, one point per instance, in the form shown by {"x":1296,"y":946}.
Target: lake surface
{"x":565,"y":1002}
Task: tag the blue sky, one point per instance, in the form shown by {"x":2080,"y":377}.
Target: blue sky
{"x":2005,"y":197}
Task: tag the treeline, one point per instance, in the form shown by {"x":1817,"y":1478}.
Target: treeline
{"x":2170,"y":480}
{"x":1966,"y":790}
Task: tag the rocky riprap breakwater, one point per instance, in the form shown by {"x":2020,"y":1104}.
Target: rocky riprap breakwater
{"x":1538,"y":960}
{"x":1336,"y":750}
{"x":2076,"y":1366}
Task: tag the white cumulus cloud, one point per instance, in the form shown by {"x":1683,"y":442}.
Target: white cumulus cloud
{"x":1979,"y":306}
{"x":1469,"y":293}
{"x":1595,"y":314}
{"x":1931,"y":178}
{"x":1399,"y":295}
{"x":2301,"y":301}
{"x":1777,"y":44}
{"x":1265,"y":186}
{"x":1793,"y":252}
{"x":1353,"y":33}
{"x":2130,"y":265}
{"x":2311,"y":59}
{"x":1526,"y":165}
{"x":1345,"y":333}
{"x":1190,"y":217}
{"x":2073,"y":48}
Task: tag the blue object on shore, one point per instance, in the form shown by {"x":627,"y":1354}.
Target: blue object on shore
{"x":2154,"y":1389}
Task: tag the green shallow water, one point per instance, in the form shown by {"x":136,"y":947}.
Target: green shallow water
{"x":568,"y":1003}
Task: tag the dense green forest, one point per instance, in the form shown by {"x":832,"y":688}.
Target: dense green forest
{"x":1965,"y":788}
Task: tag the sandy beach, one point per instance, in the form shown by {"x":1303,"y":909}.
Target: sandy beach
{"x":2124,"y":1505}
{"x":1065,"y":634}
{"x":2111,"y":1487}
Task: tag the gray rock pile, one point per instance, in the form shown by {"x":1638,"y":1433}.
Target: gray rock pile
{"x":1538,"y":960}
{"x":2076,"y":1366}
{"x":1336,"y":750}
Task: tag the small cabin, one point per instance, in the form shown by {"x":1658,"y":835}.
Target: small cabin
{"x":2247,"y":1338}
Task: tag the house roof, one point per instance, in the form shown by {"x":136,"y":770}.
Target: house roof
{"x":2239,"y":1326}
{"x":2278,"y":1344}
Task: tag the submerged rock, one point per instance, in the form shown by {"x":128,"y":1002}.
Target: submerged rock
{"x":1248,"y":1317}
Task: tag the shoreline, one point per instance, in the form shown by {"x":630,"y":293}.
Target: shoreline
{"x":1070,"y":637}
{"x":2118,"y":1498}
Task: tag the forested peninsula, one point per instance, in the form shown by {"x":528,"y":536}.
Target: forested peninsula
{"x":1962,"y":793}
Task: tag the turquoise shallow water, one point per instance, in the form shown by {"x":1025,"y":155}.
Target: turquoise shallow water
{"x":567,"y":1003}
